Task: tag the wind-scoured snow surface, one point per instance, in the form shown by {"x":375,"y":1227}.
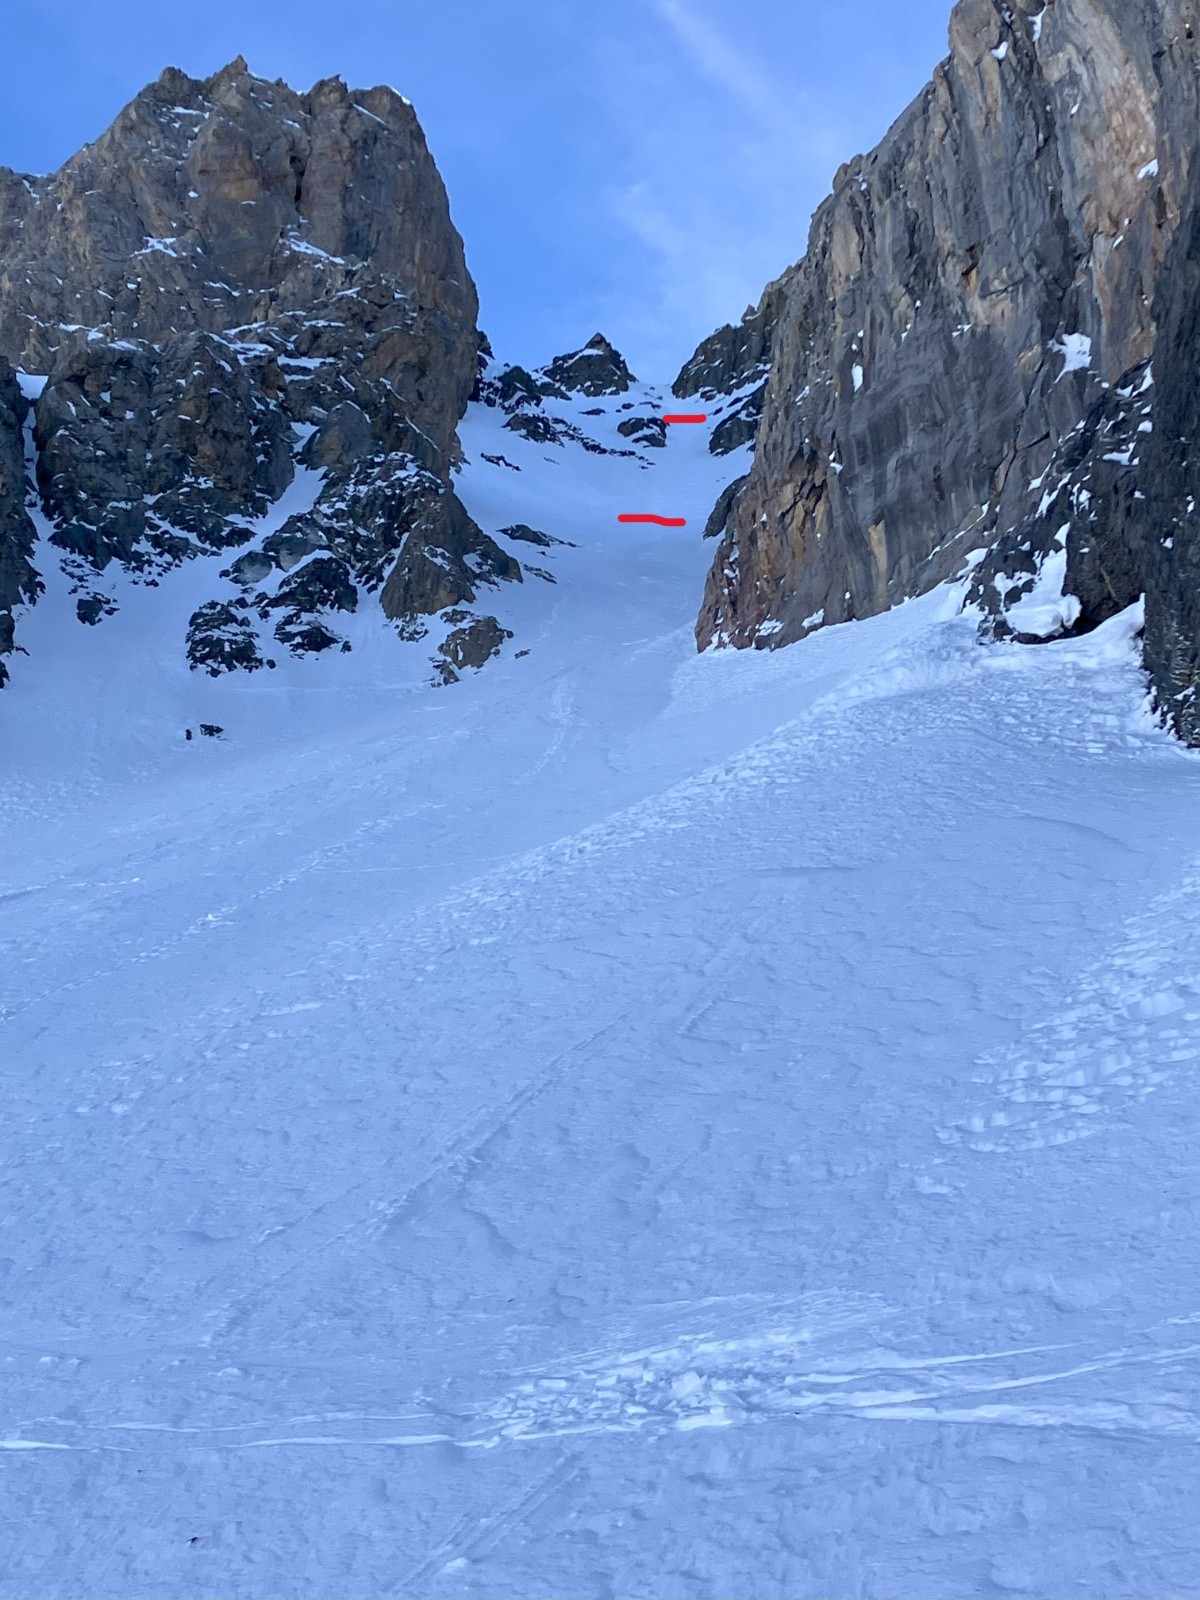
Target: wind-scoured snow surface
{"x":629,"y":1123}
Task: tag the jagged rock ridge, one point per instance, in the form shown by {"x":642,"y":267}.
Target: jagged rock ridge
{"x":234,"y":284}
{"x":598,"y":371}
{"x":734,"y":363}
{"x":960,"y":363}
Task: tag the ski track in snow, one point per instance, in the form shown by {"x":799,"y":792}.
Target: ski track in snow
{"x":631,"y":1123}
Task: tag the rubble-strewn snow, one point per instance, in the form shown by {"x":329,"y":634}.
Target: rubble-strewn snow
{"x":629,"y":1123}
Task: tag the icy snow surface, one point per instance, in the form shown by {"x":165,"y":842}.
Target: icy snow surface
{"x":630,"y":1123}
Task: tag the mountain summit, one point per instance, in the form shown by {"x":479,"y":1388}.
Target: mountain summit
{"x":240,"y":293}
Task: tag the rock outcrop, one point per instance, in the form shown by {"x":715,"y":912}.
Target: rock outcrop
{"x":598,"y":369}
{"x":236,"y":284}
{"x":596,"y":372}
{"x":959,"y":363}
{"x":732,"y":365}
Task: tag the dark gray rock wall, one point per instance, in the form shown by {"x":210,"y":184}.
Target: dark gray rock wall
{"x":969,"y":289}
{"x":18,"y":579}
{"x":1172,"y":523}
{"x":1090,"y":517}
{"x":141,"y":446}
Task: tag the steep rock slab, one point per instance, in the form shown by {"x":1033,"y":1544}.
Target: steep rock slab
{"x":968,"y":290}
{"x":140,"y":447}
{"x":18,"y":578}
{"x":1172,"y":507}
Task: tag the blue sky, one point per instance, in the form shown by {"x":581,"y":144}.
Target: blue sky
{"x":639,"y":166}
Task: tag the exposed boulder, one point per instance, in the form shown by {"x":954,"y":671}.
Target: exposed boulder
{"x":649,"y":431}
{"x":524,"y":534}
{"x":322,"y":584}
{"x":221,"y":638}
{"x":538,"y":428}
{"x":470,"y":646}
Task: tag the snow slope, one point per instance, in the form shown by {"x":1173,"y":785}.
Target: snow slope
{"x":630,"y":1123}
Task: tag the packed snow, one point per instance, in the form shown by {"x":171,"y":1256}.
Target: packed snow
{"x":630,"y":1123}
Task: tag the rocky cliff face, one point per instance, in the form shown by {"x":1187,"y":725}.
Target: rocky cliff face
{"x":1170,"y":521}
{"x":234,"y":285}
{"x":18,"y":580}
{"x":960,"y":364}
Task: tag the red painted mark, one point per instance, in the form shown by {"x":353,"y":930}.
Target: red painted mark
{"x":659,"y":522}
{"x":687,"y":416}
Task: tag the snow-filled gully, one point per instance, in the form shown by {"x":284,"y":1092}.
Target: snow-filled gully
{"x":628,"y":1123}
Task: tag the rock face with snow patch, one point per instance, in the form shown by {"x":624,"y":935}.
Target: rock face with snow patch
{"x":596,"y":372}
{"x":733,"y":364}
{"x":974,"y":294}
{"x":235,"y":284}
{"x":598,"y":369}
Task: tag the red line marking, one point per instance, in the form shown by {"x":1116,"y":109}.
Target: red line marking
{"x":659,"y":522}
{"x":687,"y":416}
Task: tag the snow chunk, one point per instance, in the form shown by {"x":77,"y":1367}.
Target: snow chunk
{"x":161,"y":246}
{"x":1076,"y":350}
{"x":1046,"y":611}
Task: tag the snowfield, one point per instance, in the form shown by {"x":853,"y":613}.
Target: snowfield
{"x":629,"y":1124}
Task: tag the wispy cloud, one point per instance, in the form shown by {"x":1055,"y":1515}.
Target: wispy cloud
{"x":725,"y":162}
{"x":734,"y":115}
{"x":722,"y":61}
